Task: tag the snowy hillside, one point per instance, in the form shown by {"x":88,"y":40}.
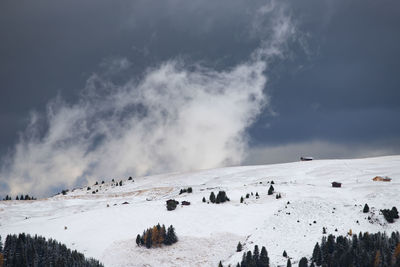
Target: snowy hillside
{"x":100,"y":226}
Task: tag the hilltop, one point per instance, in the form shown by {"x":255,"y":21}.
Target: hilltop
{"x":98,"y":224}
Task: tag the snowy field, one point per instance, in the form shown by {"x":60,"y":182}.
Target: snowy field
{"x":100,"y":226}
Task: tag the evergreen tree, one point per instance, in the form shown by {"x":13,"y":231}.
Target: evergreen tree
{"x":204,"y":199}
{"x":264,"y":260}
{"x":220,"y":264}
{"x":256,"y":255}
{"x":138,"y":240}
{"x":303,"y":262}
{"x":148,"y":239}
{"x":317,"y":255}
{"x":239,"y":247}
{"x":366,"y":208}
{"x":271,"y":190}
{"x":212,"y":197}
{"x":170,"y":237}
{"x":17,"y":198}
{"x":289,"y":263}
{"x":241,"y":199}
{"x":247,"y":195}
{"x":284,"y":254}
{"x":249,"y":259}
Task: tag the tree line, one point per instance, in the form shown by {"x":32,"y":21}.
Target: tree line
{"x":25,"y":250}
{"x":362,"y":250}
{"x":21,"y":197}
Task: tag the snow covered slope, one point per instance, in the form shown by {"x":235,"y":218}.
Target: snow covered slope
{"x":100,"y":226}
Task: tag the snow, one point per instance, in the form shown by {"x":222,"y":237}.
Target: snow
{"x":209,"y":232}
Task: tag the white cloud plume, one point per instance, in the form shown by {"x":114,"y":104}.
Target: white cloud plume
{"x":175,"y":118}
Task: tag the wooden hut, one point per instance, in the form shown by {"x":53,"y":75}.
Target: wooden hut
{"x":381,"y":179}
{"x":336,"y":184}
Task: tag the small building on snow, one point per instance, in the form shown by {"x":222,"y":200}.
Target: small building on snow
{"x":336,"y":184}
{"x":306,"y":158}
{"x":382,"y":179}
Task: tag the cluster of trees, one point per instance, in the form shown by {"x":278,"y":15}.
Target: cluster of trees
{"x":25,"y":250}
{"x":390,"y":215}
{"x":171,"y":204}
{"x":186,"y":190}
{"x":363,"y":250}
{"x":157,"y":236}
{"x":221,"y":197}
{"x":22,"y":197}
{"x":248,"y":196}
{"x":255,"y":259}
{"x":367,"y":250}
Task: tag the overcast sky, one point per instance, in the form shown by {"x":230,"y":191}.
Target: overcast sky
{"x":330,"y":88}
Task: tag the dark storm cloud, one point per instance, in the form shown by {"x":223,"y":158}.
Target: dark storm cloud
{"x":179,"y":109}
{"x":52,"y":47}
{"x":346,"y":88}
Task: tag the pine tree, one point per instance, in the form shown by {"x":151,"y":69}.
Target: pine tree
{"x":366,"y":208}
{"x":256,"y":255}
{"x":239,"y":247}
{"x":249,"y":259}
{"x":316,"y":250}
{"x":220,"y":264}
{"x":303,"y":262}
{"x":289,"y":263}
{"x":170,"y":237}
{"x":241,"y":199}
{"x":264,"y":260}
{"x":17,"y":198}
{"x":204,"y":199}
{"x":148,"y":239}
{"x":271,"y":190}
{"x":138,"y":240}
{"x":284,"y":254}
{"x":212,"y":197}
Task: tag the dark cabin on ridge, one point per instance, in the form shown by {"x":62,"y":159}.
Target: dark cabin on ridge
{"x":336,"y":184}
{"x":306,"y":158}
